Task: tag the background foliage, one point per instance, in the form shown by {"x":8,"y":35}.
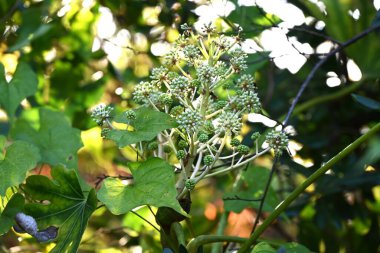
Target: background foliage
{"x":67,"y":56}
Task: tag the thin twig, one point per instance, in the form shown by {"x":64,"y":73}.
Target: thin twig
{"x":138,"y":215}
{"x":321,"y":62}
{"x":236,"y":197}
{"x":125,"y":47}
{"x":298,"y":96}
{"x":301,"y":188}
{"x":266,"y":189}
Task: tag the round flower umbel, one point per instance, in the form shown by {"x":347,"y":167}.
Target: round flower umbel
{"x":159,"y":74}
{"x":180,"y":86}
{"x":130,"y":114}
{"x":192,"y":54}
{"x":189,"y":120}
{"x":222,"y":44}
{"x":238,"y":60}
{"x":221,"y":69}
{"x":229,"y":122}
{"x":246,"y":82}
{"x":143,"y":91}
{"x":277,"y":140}
{"x":206,"y":73}
{"x":248,"y":101}
{"x":171,"y":59}
{"x":101,"y":113}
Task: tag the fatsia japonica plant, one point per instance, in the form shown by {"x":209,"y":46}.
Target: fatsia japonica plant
{"x":187,"y":124}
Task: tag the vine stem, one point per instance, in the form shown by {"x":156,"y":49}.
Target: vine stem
{"x":326,"y":98}
{"x":300,"y":92}
{"x":193,"y":245}
{"x":262,"y":200}
{"x":301,"y":188}
{"x":321,"y":62}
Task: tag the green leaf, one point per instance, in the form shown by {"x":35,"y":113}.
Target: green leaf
{"x":252,"y":184}
{"x":153,"y":184}
{"x":23,"y":84}
{"x":31,"y":29}
{"x":20,"y":157}
{"x":68,"y":208}
{"x":3,"y":140}
{"x":147,"y":125}
{"x":57,"y":140}
{"x":293,"y":247}
{"x":14,"y":206}
{"x":367,"y":102}
{"x":263,"y":247}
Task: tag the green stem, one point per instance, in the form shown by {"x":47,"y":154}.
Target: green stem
{"x":326,"y":98}
{"x":178,"y":231}
{"x":194,"y":244}
{"x":301,"y":188}
{"x":217,"y":247}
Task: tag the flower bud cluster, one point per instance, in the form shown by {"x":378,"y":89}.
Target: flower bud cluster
{"x":180,"y":86}
{"x":101,"y":113}
{"x":192,"y":54}
{"x":248,"y":101}
{"x":238,"y":60}
{"x":189,"y":120}
{"x":277,"y":140}
{"x":202,"y":85}
{"x":247,"y":82}
{"x":229,"y":122}
{"x":206,"y":73}
{"x":159,"y":74}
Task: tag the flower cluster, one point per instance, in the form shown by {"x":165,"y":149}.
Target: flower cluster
{"x":248,"y":101}
{"x":238,"y":60}
{"x":206,"y":73}
{"x":229,"y":122}
{"x":202,"y":85}
{"x":180,"y":85}
{"x":101,"y":113}
{"x":277,"y":140}
{"x":191,"y":52}
{"x":189,"y":120}
{"x":247,"y":82}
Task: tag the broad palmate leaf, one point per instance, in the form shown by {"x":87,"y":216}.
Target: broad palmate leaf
{"x":23,"y":84}
{"x":14,"y":206}
{"x":153,"y":184}
{"x":65,"y":206}
{"x":147,"y":125}
{"x":57,"y":140}
{"x":20,"y":157}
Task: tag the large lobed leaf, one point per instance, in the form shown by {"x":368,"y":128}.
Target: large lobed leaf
{"x":23,"y":84}
{"x":153,"y":184}
{"x":68,"y":208}
{"x":291,"y":247}
{"x":147,"y":125}
{"x":252,"y":184}
{"x":20,"y":157}
{"x":14,"y":206}
{"x":57,"y":140}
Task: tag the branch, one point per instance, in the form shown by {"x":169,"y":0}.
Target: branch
{"x":295,"y":101}
{"x":301,"y":188}
{"x":266,"y":189}
{"x":322,"y":99}
{"x":194,"y":244}
{"x":236,"y":197}
{"x":321,"y":62}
